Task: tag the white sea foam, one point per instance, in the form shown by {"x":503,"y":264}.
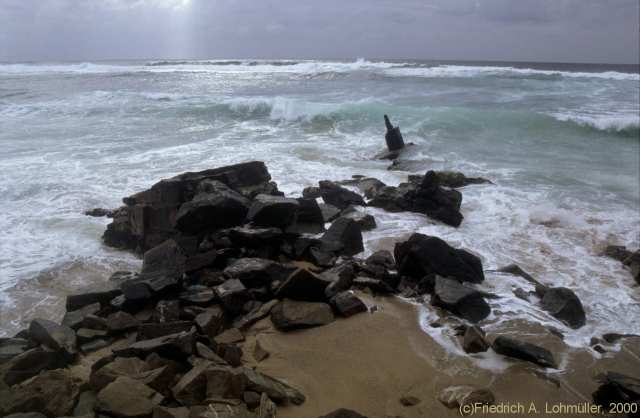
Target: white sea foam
{"x":603,"y":122}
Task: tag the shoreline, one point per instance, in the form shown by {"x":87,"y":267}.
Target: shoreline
{"x":229,"y":260}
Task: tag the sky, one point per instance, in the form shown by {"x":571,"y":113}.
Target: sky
{"x":603,"y":31}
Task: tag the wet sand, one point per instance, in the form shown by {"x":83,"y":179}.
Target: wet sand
{"x":369,"y":361}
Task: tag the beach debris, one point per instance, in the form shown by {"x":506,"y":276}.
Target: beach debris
{"x":522,"y":350}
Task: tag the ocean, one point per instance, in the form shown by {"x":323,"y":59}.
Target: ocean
{"x":560,"y":142}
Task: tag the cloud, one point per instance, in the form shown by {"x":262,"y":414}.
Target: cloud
{"x":566,"y":30}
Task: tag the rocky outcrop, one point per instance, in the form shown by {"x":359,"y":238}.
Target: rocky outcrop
{"x":335,"y":195}
{"x":344,"y":237}
{"x":524,"y":351}
{"x":422,"y":255}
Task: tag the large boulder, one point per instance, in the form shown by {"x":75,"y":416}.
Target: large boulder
{"x":254,"y":272}
{"x":74,"y":319}
{"x":310,"y":219}
{"x":303,"y":285}
{"x":474,"y":340}
{"x":273,"y":211}
{"x":12,"y":347}
{"x":191,"y":389}
{"x":338,"y":196}
{"x":524,"y":351}
{"x":289,"y":315}
{"x":344,"y":237}
{"x":347,"y":304}
{"x":460,"y":300}
{"x":275,"y":389}
{"x":563,"y":304}
{"x":32,"y":362}
{"x":57,"y":337}
{"x":149,"y":217}
{"x":79,"y":301}
{"x":422,"y":255}
{"x":616,"y":388}
{"x":127,"y":398}
{"x":233,"y":295}
{"x":173,"y":346}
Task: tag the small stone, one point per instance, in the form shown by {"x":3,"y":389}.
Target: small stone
{"x":409,"y":401}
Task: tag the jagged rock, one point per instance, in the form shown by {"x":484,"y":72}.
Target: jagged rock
{"x":127,"y":398}
{"x":303,"y":285}
{"x":273,"y":211}
{"x":329,"y":212}
{"x":52,"y":393}
{"x":289,"y":315}
{"x":517,"y":271}
{"x":252,"y":399}
{"x":218,"y":207}
{"x":191,"y":389}
{"x":244,"y":236}
{"x":426,"y":197}
{"x":366,"y":221}
{"x":259,"y":352}
{"x":119,"y":322}
{"x":200,"y":261}
{"x":340,"y":278}
{"x":338,"y":196}
{"x":232,"y":294}
{"x":85,"y":405}
{"x":131,"y":367}
{"x":524,"y":351}
{"x":393,"y":137}
{"x":85,"y":335}
{"x":224,"y":382}
{"x":229,"y":336}
{"x":266,"y":409}
{"x":99,"y":213}
{"x":75,"y":318}
{"x":167,"y":311}
{"x":309,"y":218}
{"x":452,"y":179}
{"x":32,"y":362}
{"x":617,"y":252}
{"x":422,"y":255}
{"x":343,"y":237}
{"x":311,"y":192}
{"x":211,"y":321}
{"x":474,"y":341}
{"x":221,"y":409}
{"x":255,"y":315}
{"x":12,"y":347}
{"x":343,"y":413}
{"x":633,"y":262}
{"x":277,"y":390}
{"x":57,"y":337}
{"x":254,"y":272}
{"x":79,"y":301}
{"x":460,"y":300}
{"x":208,"y":354}
{"x":457,"y":396}
{"x":197,"y":295}
{"x":164,"y":412}
{"x":347,"y":304}
{"x":154,"y":330}
{"x":618,"y":388}
{"x":367,"y":185}
{"x":179,"y":346}
{"x":563,"y":304}
{"x":26,"y":415}
{"x":375,"y":285}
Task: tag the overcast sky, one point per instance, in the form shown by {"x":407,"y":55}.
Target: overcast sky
{"x":521,"y":30}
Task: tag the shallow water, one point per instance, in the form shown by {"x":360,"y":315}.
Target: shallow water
{"x":560,"y":143}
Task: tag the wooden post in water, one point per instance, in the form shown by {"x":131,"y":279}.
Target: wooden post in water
{"x":393,"y":136}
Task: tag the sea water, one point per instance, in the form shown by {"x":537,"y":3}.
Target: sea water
{"x":560,"y":142}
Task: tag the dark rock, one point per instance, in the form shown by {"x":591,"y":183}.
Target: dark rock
{"x":164,"y":412}
{"x":229,"y":336}
{"x":12,"y":347}
{"x":340,"y":278}
{"x":347,"y":304}
{"x":273,"y":211}
{"x":366,"y":221}
{"x":329,"y":212}
{"x":244,"y":236}
{"x":266,"y":409}
{"x":309,"y":218}
{"x":617,"y":252}
{"x":57,"y":337}
{"x":232,"y":294}
{"x":119,"y":322}
{"x":127,"y":398}
{"x":517,"y":271}
{"x":95,"y":345}
{"x":218,"y":207}
{"x":343,"y":413}
{"x":255,"y":315}
{"x":259,"y":352}
{"x":52,"y":393}
{"x":201,"y":260}
{"x":211,"y":321}
{"x":457,"y":396}
{"x":99,"y":213}
{"x":409,"y":401}
{"x":197,"y":295}
{"x":191,"y":389}
{"x":209,"y":355}
{"x":422,"y":255}
{"x":32,"y":362}
{"x":303,"y":285}
{"x":85,"y":405}
{"x":367,"y":185}
{"x":74,"y":319}
{"x":224,"y":382}
{"x":277,"y":390}
{"x":155,"y":330}
{"x":618,"y":388}
{"x":252,"y":399}
{"x":474,"y":341}
{"x":633,"y":262}
{"x":230,"y":353}
{"x":455,"y":179}
{"x":86,"y":335}
{"x":121,"y":366}
{"x":460,"y":300}
{"x":254,"y":272}
{"x":311,"y":192}
{"x":563,"y":304}
{"x":376,"y":285}
{"x":173,"y":346}
{"x":524,"y":351}
{"x":343,"y":237}
{"x":393,"y":137}
{"x":79,"y":301}
{"x":167,"y":311}
{"x":289,"y":315}
{"x":338,"y":196}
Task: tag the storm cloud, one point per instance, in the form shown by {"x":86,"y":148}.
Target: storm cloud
{"x":531,"y":30}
